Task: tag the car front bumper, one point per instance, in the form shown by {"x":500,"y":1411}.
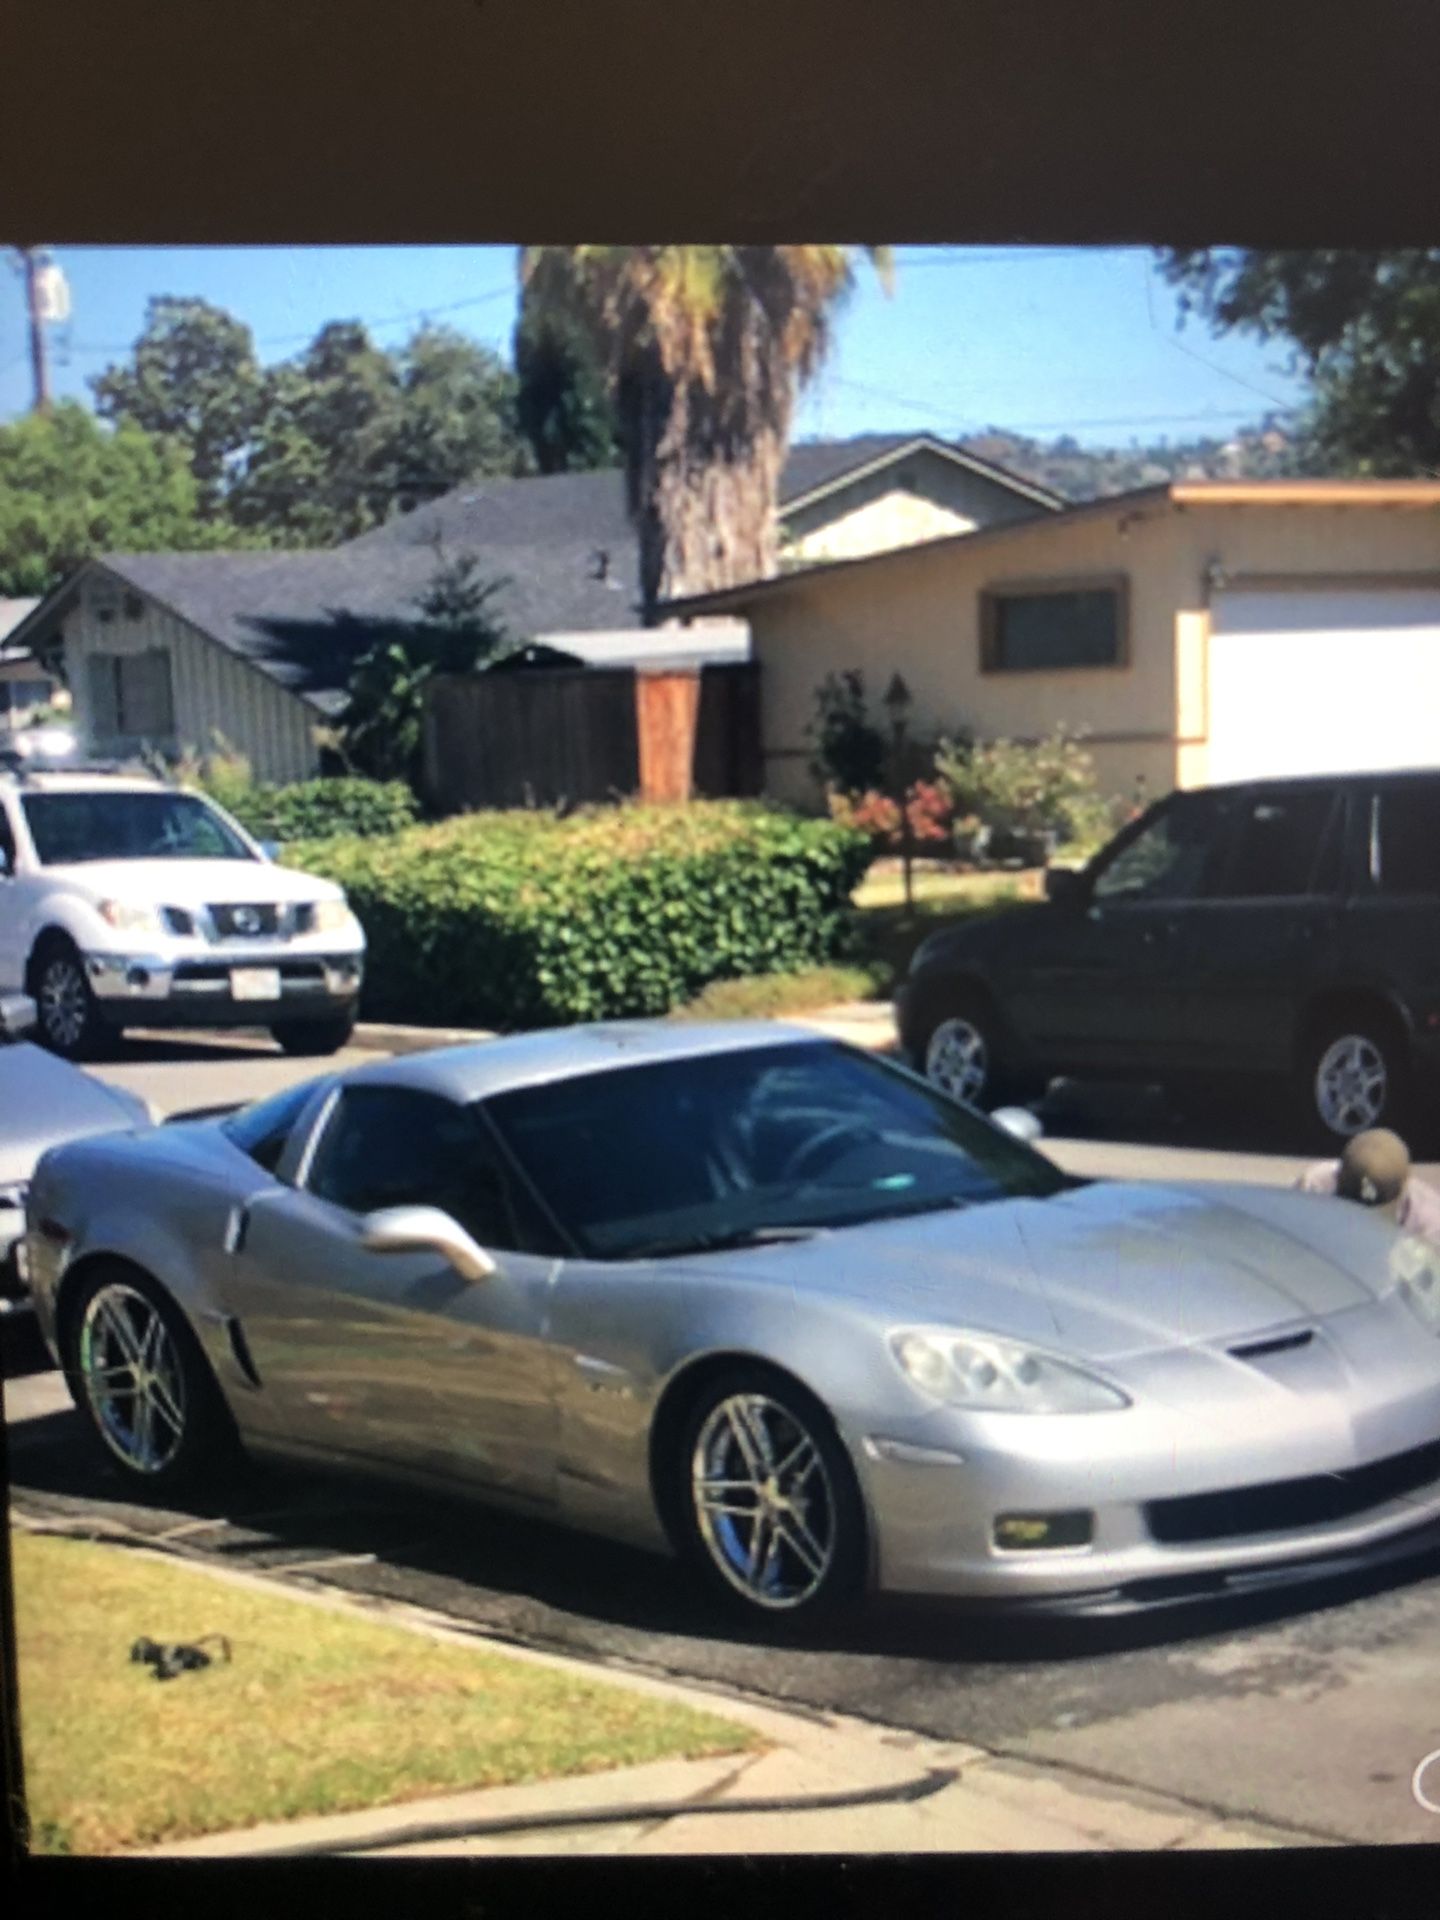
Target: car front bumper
{"x":1176,"y":1505}
{"x":149,"y":990}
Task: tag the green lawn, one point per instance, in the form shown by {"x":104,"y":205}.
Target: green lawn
{"x":317,"y":1713}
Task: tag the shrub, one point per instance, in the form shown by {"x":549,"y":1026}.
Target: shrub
{"x":325,"y":810}
{"x":524,"y":919}
{"x":929,"y":811}
{"x":847,"y":749}
{"x":1016,"y":788}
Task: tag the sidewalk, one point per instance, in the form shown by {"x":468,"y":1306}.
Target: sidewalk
{"x":888,"y":1791}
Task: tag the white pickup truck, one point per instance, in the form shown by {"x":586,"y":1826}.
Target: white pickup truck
{"x":128,"y":903}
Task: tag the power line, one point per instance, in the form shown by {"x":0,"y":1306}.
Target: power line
{"x":931,"y":411}
{"x":1013,"y":256}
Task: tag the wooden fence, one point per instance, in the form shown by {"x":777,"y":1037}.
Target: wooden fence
{"x":547,"y":736}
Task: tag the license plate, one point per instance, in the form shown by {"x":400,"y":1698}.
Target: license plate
{"x":255,"y":983}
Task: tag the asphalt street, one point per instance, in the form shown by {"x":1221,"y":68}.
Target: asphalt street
{"x":1310,"y":1709}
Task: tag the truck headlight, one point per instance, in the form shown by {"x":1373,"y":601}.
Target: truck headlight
{"x":984,"y":1373}
{"x":125,"y":916}
{"x":332,"y":916}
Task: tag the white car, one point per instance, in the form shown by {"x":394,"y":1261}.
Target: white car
{"x":128,"y":903}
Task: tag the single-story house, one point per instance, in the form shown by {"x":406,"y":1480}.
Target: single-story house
{"x":170,"y":650}
{"x":1197,"y":631}
{"x":24,"y":683}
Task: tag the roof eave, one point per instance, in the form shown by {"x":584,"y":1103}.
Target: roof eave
{"x":929,"y":443}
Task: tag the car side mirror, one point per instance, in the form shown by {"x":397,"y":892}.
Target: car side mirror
{"x":1019,"y":1123}
{"x":426,"y":1230}
{"x":18,"y":1015}
{"x":1064,"y":885}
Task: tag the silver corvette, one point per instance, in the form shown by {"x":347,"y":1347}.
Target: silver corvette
{"x":759,"y":1299}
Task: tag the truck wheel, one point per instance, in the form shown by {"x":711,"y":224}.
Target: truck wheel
{"x":70,"y":1023}
{"x":1353,"y":1075}
{"x":314,"y":1039}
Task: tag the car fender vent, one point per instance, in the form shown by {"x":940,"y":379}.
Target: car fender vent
{"x":1282,"y":1343}
{"x":240,"y":1348}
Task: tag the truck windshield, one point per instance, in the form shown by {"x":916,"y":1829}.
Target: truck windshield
{"x":71,"y":828}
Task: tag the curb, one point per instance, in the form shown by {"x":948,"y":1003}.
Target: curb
{"x":377,"y":1037}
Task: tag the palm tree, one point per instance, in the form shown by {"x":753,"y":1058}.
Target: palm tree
{"x":704,"y":350}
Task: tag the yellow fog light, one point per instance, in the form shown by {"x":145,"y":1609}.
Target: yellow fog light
{"x":1017,"y":1531}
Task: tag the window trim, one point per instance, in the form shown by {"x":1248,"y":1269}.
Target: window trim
{"x":1045,"y":586}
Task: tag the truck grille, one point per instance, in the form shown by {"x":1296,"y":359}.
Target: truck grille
{"x":1285,"y":1505}
{"x":245,"y":922}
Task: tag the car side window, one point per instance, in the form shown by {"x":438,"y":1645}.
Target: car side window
{"x":1277,"y":850}
{"x":7,"y":842}
{"x":1409,"y":839}
{"x":263,"y":1130}
{"x":399,"y":1147}
{"x":1172,"y":857}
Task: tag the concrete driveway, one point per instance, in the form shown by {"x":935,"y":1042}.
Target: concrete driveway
{"x":1309,"y":1710}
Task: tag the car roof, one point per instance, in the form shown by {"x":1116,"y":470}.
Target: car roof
{"x":81,"y":782}
{"x":487,"y":1067}
{"x":1292,"y":781}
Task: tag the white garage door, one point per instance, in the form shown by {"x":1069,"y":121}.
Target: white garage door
{"x":1333,"y":680}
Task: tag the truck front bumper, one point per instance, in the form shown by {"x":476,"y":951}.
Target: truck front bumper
{"x":139,"y":990}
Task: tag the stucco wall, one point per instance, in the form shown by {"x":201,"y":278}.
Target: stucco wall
{"x":211,"y":689}
{"x":918,"y":612}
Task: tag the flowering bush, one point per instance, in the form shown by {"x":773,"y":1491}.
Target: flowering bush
{"x":1023,"y":789}
{"x":929,"y":813}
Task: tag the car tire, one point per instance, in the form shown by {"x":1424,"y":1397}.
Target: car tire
{"x":1353,"y":1075}
{"x":315,"y":1039}
{"x":809,"y":1515}
{"x":177,"y":1435}
{"x":960,"y":1051}
{"x":69,"y":1021}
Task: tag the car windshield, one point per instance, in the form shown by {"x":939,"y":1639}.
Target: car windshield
{"x":758,"y":1143}
{"x":71,"y":828}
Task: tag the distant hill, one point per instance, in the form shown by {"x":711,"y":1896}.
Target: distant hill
{"x":1263,"y":452}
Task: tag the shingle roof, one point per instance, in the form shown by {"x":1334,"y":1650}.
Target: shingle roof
{"x":305,"y":618}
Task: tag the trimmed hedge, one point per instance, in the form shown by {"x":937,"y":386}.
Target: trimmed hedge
{"x":510,"y":920}
{"x":321,"y":809}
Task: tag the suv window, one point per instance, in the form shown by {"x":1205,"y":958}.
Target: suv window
{"x":263,"y":1129}
{"x":1278,"y":845}
{"x":7,"y":841}
{"x":397,"y":1147}
{"x":1409,"y":838}
{"x":1173,"y":856}
{"x":93,"y":824}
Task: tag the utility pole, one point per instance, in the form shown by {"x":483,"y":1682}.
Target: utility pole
{"x":33,"y":263}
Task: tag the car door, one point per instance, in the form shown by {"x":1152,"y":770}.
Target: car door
{"x":1267,"y":931}
{"x":1096,"y":986}
{"x":393,"y":1357}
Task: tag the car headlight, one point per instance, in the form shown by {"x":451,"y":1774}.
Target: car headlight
{"x":987,"y":1374}
{"x":125,"y":916}
{"x":1415,"y":1267}
{"x":331,"y":916}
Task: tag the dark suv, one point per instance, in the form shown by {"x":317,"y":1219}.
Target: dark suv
{"x":1286,"y":930}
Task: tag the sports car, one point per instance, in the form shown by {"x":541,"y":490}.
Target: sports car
{"x":761,"y":1300}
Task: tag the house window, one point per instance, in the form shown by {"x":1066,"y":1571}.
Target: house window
{"x":131,"y":696}
{"x":1065,"y":624}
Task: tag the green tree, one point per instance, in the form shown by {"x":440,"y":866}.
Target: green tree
{"x":704,"y":351}
{"x":457,"y":418}
{"x":71,"y":488}
{"x":1365,"y":325}
{"x":194,"y":378}
{"x":456,"y":630}
{"x":564,"y":406}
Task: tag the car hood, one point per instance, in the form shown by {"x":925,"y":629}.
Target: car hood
{"x":1103,"y":1271}
{"x":45,"y":1101}
{"x":194,"y":883}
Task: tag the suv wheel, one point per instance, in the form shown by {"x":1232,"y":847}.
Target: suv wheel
{"x":315,"y":1038}
{"x":69,"y":1019}
{"x":1352,"y":1077}
{"x":961,"y":1054}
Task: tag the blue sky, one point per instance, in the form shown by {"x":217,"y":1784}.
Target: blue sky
{"x":1046,"y":340}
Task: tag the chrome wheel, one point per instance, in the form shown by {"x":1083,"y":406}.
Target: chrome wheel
{"x":957,"y":1059}
{"x":1352,"y":1085}
{"x":763,"y":1501}
{"x":63,"y":1003}
{"x":133,"y":1378}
